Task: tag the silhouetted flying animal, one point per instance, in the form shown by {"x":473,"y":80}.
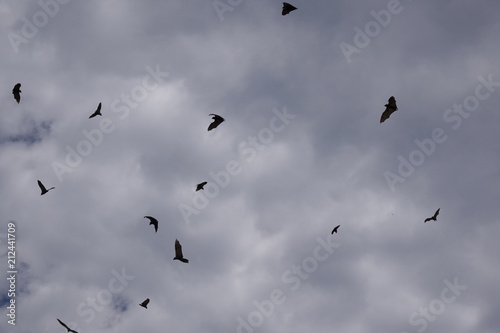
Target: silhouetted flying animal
{"x":217,"y":121}
{"x":44,"y":190}
{"x":178,"y":252}
{"x":390,"y":108}
{"x":17,"y":92}
{"x":145,"y":303}
{"x":335,"y":229}
{"x":153,"y":221}
{"x":200,"y":186}
{"x":287,"y":8}
{"x":66,"y":326}
{"x":433,"y":218}
{"x":97,"y":112}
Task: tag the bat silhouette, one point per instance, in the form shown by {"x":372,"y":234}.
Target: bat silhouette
{"x":153,"y":221}
{"x":217,"y":121}
{"x":178,"y":252}
{"x":200,"y":186}
{"x":433,"y":218}
{"x":390,"y":108}
{"x":287,"y":8}
{"x":335,"y":229}
{"x":17,"y":92}
{"x":66,"y":326}
{"x":145,"y":303}
{"x":44,"y":190}
{"x":97,"y":112}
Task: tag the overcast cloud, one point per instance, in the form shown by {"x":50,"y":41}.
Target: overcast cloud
{"x":301,"y":151}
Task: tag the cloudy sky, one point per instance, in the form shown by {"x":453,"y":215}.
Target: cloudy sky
{"x":301,"y":150}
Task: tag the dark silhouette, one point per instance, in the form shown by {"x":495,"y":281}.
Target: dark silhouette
{"x":178,"y":252}
{"x":335,"y":229}
{"x":145,"y":303}
{"x":287,"y":8}
{"x":44,"y":190}
{"x":97,"y":112}
{"x":433,"y":218}
{"x":217,"y":121}
{"x":200,"y":186}
{"x":390,"y":108}
{"x":66,"y":327}
{"x":17,"y":92}
{"x":153,"y":221}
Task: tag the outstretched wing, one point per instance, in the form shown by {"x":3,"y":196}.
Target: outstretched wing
{"x":145,"y":303}
{"x":390,"y":108}
{"x":64,"y":325}
{"x":287,"y":8}
{"x":41,"y":186}
{"x":200,"y":186}
{"x":178,"y":249}
{"x":152,"y":221}
{"x":335,"y":229}
{"x":427,"y":219}
{"x":217,"y":121}
{"x":97,"y":112}
{"x":436,"y":214}
{"x":17,"y":92}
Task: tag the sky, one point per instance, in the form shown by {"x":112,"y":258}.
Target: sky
{"x":301,"y":151}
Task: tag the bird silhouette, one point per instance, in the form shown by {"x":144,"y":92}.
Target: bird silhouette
{"x":17,"y":92}
{"x":153,"y":221}
{"x":287,"y":8}
{"x":434,"y":217}
{"x":390,"y":108}
{"x":217,"y":121}
{"x":145,"y":303}
{"x":66,"y":326}
{"x":97,"y":112}
{"x":44,"y":190}
{"x":335,"y":229}
{"x":178,"y":252}
{"x":200,"y":186}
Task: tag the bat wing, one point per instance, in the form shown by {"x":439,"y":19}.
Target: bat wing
{"x":97,"y":112}
{"x":178,"y":249}
{"x":217,"y":121}
{"x":145,"y":303}
{"x":63,"y":324}
{"x":17,"y":92}
{"x":436,"y":214}
{"x":287,"y":8}
{"x":41,"y":186}
{"x":152,"y":221}
{"x":335,"y":229}
{"x":390,"y":108}
{"x":200,"y":186}
{"x":427,"y":219}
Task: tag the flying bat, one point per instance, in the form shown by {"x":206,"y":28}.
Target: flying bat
{"x":287,"y":8}
{"x":390,"y":108}
{"x":200,"y":186}
{"x":66,"y":326}
{"x":97,"y":112}
{"x":335,"y":229}
{"x":145,"y":303}
{"x":178,"y":252}
{"x":17,"y":92}
{"x":217,"y":121}
{"x":153,"y":221}
{"x":433,"y":218}
{"x":44,"y":190}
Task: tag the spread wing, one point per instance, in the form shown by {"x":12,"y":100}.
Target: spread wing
{"x":427,"y":219}
{"x":436,"y":214}
{"x":178,"y":249}
{"x":145,"y":303}
{"x":64,"y":325}
{"x":97,"y":112}
{"x":153,"y":221}
{"x":335,"y":229}
{"x":17,"y":92}
{"x":200,"y":186}
{"x":217,"y":121}
{"x":287,"y":8}
{"x":41,"y":186}
{"x":390,"y":108}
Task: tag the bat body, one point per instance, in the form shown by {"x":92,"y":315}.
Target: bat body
{"x":217,"y":121}
{"x":152,"y":221}
{"x":200,"y":186}
{"x":434,"y":217}
{"x":390,"y":108}
{"x":287,"y":8}
{"x":66,"y":327}
{"x":335,"y":229}
{"x":17,"y":92}
{"x":43,"y":189}
{"x":97,"y":112}
{"x":178,"y":252}
{"x":145,"y":303}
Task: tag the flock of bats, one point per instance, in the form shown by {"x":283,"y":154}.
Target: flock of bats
{"x":390,"y":108}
